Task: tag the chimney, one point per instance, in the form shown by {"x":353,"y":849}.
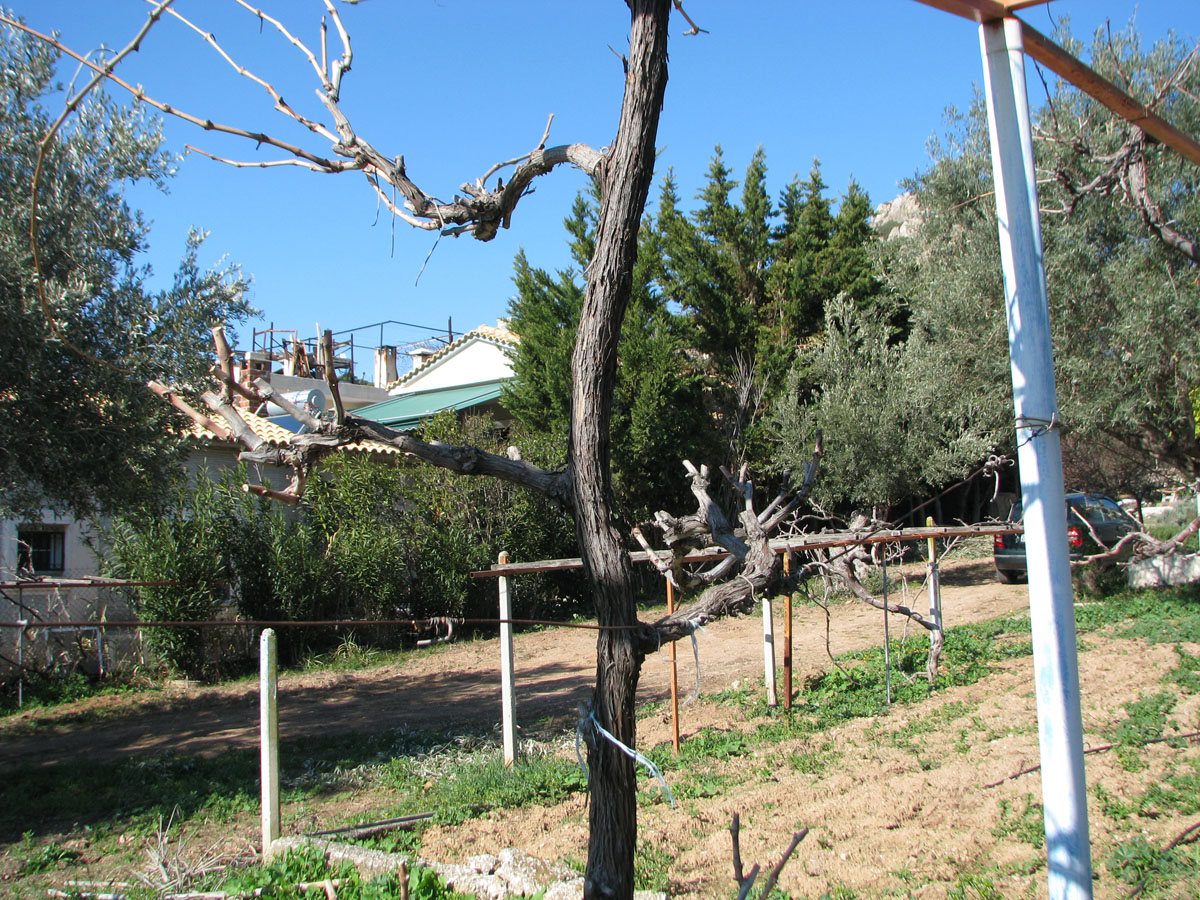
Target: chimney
{"x":420,"y":356}
{"x":385,"y":366}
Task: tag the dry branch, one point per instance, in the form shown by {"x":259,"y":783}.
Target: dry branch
{"x":745,"y":883}
{"x":195,"y":415}
{"x":481,"y":214}
{"x":754,"y":563}
{"x":331,"y":378}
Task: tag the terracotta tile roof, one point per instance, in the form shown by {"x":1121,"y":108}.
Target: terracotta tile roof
{"x":277,"y":436}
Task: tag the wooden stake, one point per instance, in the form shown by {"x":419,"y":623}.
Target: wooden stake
{"x":508,"y":695}
{"x":674,"y":674}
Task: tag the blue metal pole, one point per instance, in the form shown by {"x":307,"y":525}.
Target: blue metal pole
{"x":1052,"y":614}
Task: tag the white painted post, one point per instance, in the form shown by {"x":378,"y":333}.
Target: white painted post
{"x":1052,"y":615}
{"x":887,"y":634}
{"x":769,"y":652}
{"x":268,"y":727}
{"x":935,"y":584}
{"x":508,"y":694}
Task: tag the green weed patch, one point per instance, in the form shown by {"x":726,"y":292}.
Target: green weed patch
{"x":280,"y":879}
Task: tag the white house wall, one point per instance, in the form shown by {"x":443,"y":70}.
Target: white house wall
{"x":475,"y":361}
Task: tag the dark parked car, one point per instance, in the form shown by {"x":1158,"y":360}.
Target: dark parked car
{"x":1104,"y":516}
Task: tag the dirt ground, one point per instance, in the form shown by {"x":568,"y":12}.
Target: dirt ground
{"x":459,"y":683}
{"x":900,"y":806}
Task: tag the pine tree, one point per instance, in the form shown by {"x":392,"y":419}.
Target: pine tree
{"x":658,"y":411}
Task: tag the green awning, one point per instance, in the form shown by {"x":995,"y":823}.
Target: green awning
{"x":409,"y":410}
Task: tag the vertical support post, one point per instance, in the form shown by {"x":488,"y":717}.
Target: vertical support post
{"x":674,"y":674}
{"x":769,"y":652}
{"x":937,"y":637}
{"x":268,"y":727}
{"x":887,"y":636}
{"x":787,"y":635}
{"x":508,"y":693}
{"x":21,"y":621}
{"x":1039,"y":456}
{"x":935,"y":586}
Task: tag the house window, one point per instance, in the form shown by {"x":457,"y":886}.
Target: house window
{"x":40,"y":550}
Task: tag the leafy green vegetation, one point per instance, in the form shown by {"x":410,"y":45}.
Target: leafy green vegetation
{"x":41,"y":858}
{"x":281,"y":877}
{"x":96,"y":321}
{"x":651,"y":865}
{"x":478,"y":782}
{"x":1025,"y":823}
{"x":368,"y":542}
{"x":1187,"y":674}
{"x":41,"y":690}
{"x":130,"y":794}
{"x":1139,"y":861}
{"x":974,"y":887}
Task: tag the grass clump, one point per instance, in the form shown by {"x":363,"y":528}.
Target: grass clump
{"x":41,"y":690}
{"x":1024,"y":823}
{"x":456,"y":787}
{"x":1142,"y":863}
{"x":281,"y":879}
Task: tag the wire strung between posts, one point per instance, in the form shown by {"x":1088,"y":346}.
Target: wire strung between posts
{"x":628,"y":751}
{"x":415,"y":624}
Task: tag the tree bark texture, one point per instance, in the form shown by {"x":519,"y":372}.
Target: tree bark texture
{"x":625,"y":178}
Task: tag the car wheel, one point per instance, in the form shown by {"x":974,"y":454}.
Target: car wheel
{"x":1009,"y":576}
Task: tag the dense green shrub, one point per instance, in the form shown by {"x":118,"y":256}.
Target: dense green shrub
{"x":373,"y":539}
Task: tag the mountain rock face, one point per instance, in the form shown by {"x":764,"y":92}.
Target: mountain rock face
{"x":897,"y":218}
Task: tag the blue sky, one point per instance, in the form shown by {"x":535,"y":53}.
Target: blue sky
{"x":456,"y":85}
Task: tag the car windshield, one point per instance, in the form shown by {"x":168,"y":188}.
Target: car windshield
{"x":1092,"y":508}
{"x":1097,"y":510}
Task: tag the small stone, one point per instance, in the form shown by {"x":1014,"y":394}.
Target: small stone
{"x":484,"y":863}
{"x":486,"y":887}
{"x":526,"y":875}
{"x":565,"y":890}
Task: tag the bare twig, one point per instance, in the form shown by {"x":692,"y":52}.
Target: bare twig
{"x":695,"y":29}
{"x":1190,"y":736}
{"x":1174,"y":842}
{"x":209,"y":38}
{"x":787,"y":854}
{"x":738,"y":875}
{"x":744,"y":882}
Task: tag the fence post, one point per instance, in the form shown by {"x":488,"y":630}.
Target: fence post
{"x":769,"y":652}
{"x":674,"y":673}
{"x":23,"y":622}
{"x":935,"y":587}
{"x":887,"y":635}
{"x":937,"y":637}
{"x":787,"y":634}
{"x":508,"y":695}
{"x":268,"y":722}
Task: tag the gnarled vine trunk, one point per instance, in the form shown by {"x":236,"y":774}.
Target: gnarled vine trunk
{"x":624,"y":182}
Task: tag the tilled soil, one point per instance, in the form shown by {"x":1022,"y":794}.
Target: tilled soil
{"x":459,"y":684}
{"x":913,"y":803}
